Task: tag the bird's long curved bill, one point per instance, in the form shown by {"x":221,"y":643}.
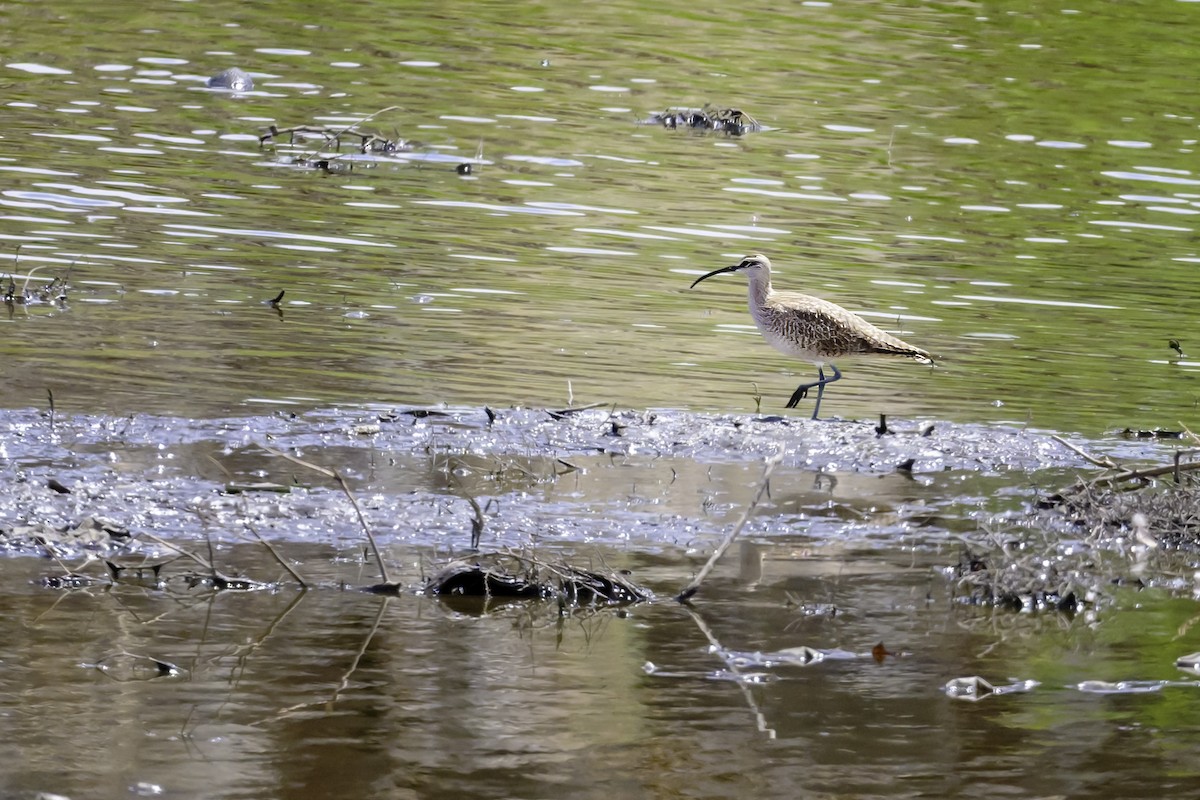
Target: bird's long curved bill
{"x":732,"y":268}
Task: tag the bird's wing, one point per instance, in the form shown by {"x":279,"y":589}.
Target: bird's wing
{"x":822,"y":325}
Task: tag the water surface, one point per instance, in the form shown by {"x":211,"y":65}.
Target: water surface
{"x":1011,"y":189}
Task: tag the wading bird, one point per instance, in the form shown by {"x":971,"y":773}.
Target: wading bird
{"x":810,"y":328}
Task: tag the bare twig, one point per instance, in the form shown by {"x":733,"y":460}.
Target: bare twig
{"x":275,"y":553}
{"x":1195,"y":439}
{"x":1107,"y":463}
{"x":694,"y":586}
{"x":1121,"y":477}
{"x":477,"y":522}
{"x":179,"y":550}
{"x":566,"y":412}
{"x":337,"y":476}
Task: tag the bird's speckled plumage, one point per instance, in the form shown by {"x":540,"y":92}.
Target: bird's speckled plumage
{"x":810,"y":328}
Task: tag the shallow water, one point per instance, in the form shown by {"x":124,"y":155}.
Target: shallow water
{"x":339,"y":694}
{"x":1008,"y":187}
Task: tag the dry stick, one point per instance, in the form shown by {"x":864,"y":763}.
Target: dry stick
{"x":1107,"y":463}
{"x":181,"y":551}
{"x":271,"y":549}
{"x":1191,"y":435}
{"x":52,"y":551}
{"x":694,"y":586}
{"x":1155,"y":472}
{"x":217,"y":576}
{"x":252,"y":529}
{"x":333,"y":473}
{"x":1127,"y":475}
{"x":28,"y":278}
{"x":477,"y":522}
{"x":577,"y":409}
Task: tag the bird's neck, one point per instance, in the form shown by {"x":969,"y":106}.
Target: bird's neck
{"x":760,"y":289}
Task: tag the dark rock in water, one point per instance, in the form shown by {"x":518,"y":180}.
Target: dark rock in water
{"x":233,"y":79}
{"x":516,"y":577}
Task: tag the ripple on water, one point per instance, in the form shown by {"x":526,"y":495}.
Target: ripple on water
{"x":37,"y":69}
{"x":784,"y":194}
{"x":628,"y":234}
{"x":591,"y":251}
{"x":1155,"y":175}
{"x":1032,"y":302}
{"x":272,"y":234}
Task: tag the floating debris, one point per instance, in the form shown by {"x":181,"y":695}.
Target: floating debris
{"x":53,"y":292}
{"x":232,"y":79}
{"x":367,"y":142}
{"x":801,"y":656}
{"x":1121,"y":687}
{"x":373,"y":148}
{"x":732,"y":121}
{"x":1189,"y":663}
{"x":753,"y":678}
{"x":257,"y":486}
{"x":125,"y":666}
{"x":71,"y":580}
{"x":1157,"y":433}
{"x":976,"y":688}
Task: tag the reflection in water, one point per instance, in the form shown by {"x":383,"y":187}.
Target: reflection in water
{"x":336,"y":693}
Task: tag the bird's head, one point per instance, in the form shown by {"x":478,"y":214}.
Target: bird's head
{"x":752,"y":265}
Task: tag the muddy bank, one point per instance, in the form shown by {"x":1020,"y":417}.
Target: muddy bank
{"x":575,"y":476}
{"x":34,"y":437}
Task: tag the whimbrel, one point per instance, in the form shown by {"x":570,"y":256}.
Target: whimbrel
{"x":810,"y":328}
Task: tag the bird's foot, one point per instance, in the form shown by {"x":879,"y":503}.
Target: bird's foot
{"x":800,"y":394}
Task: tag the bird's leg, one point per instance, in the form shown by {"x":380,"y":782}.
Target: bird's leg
{"x":802,"y":390}
{"x":821,"y":386}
